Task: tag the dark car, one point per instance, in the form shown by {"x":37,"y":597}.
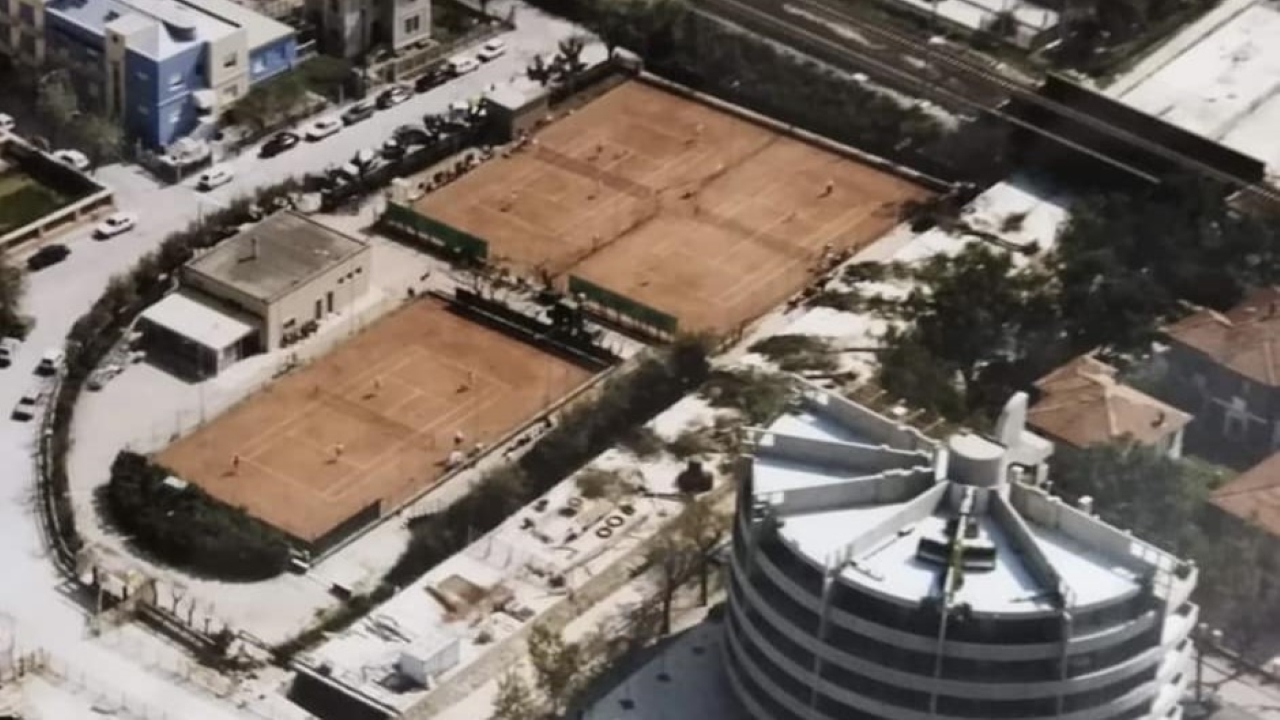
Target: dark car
{"x":357,"y":112}
{"x":431,"y":79}
{"x":280,"y":142}
{"x":48,"y":255}
{"x":392,"y":96}
{"x":412,"y":135}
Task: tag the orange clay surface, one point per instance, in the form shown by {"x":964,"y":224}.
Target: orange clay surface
{"x":684,"y":207}
{"x":393,"y":397}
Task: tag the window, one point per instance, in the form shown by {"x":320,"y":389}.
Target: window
{"x":319,"y":309}
{"x":27,"y":44}
{"x":175,"y":82}
{"x":142,"y":110}
{"x":175,"y":117}
{"x":328,"y":298}
{"x":229,"y":92}
{"x":27,"y":13}
{"x":4,"y":6}
{"x":333,"y":6}
{"x":412,"y":24}
{"x":142,"y":76}
{"x":229,"y":61}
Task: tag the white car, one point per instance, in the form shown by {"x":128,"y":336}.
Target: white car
{"x":214,"y":177}
{"x":6,"y":122}
{"x":492,"y":50}
{"x":115,"y":224}
{"x":323,"y":128}
{"x":461,"y":65}
{"x":74,"y":158}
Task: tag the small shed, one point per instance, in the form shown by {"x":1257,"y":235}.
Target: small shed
{"x":517,"y":108}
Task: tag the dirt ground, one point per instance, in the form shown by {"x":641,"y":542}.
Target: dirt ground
{"x":372,"y":421}
{"x":674,"y":203}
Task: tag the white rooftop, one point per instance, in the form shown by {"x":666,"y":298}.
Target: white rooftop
{"x":195,"y":319}
{"x":863,"y":500}
{"x":979,"y":14}
{"x":1225,"y":87}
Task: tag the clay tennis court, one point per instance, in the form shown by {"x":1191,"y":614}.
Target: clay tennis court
{"x":393,"y":397}
{"x":692,"y":210}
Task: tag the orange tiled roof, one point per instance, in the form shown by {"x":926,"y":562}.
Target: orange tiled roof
{"x":1254,"y":495}
{"x":1081,"y":403}
{"x":1245,"y":339}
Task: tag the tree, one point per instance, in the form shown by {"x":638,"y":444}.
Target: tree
{"x":515,"y":699}
{"x":56,"y":103}
{"x":557,"y":666}
{"x":675,"y":562}
{"x":1140,"y":488}
{"x":12,"y":285}
{"x":701,"y":526}
{"x":571,"y":49}
{"x":976,"y":328}
{"x":101,"y":138}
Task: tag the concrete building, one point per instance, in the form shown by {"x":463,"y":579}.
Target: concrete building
{"x":352,"y":28}
{"x":163,"y":67}
{"x":258,"y":290}
{"x":1229,"y":363}
{"x":878,"y":574}
{"x":1082,"y":404}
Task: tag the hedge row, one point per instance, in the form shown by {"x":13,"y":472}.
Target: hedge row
{"x":188,"y":528}
{"x":98,"y":330}
{"x":590,"y":428}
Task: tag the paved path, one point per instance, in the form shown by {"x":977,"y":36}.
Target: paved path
{"x":32,"y":606}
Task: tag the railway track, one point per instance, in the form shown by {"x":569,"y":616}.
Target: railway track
{"x":936,"y":71}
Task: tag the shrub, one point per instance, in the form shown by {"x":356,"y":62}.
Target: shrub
{"x":643,"y":442}
{"x":759,"y":396}
{"x":188,"y":528}
{"x":595,"y":483}
{"x":797,"y":353}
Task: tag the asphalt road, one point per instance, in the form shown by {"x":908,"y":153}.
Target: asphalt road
{"x":32,"y":606}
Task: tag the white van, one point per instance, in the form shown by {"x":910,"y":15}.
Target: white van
{"x":461,"y":64}
{"x":28,"y":403}
{"x":51,"y":362}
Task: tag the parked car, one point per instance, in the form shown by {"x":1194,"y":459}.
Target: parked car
{"x":215,"y":176}
{"x":392,"y":96}
{"x":323,"y":128}
{"x":461,"y":65}
{"x":8,"y":348}
{"x":431,"y":79}
{"x":51,"y":362}
{"x":74,"y":158}
{"x":357,"y":113}
{"x":278,"y":143}
{"x":492,"y":50}
{"x":392,"y":149}
{"x":408,"y":135}
{"x":115,"y":224}
{"x":27,"y":404}
{"x":47,"y":255}
{"x":6,"y":123}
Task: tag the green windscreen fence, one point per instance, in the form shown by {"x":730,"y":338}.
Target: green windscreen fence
{"x":451,"y":239}
{"x":629,"y":310}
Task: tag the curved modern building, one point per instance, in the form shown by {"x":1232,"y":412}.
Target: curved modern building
{"x":879,"y":575}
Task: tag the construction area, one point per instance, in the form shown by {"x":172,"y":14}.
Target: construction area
{"x":332,"y":447}
{"x":649,"y":199}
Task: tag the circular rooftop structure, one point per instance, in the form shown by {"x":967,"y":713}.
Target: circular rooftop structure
{"x":868,"y":582}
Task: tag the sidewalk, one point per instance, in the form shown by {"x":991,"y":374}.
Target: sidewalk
{"x":1178,"y":44}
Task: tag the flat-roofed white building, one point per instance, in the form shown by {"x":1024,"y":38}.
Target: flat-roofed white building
{"x":258,"y":290}
{"x":878,"y":574}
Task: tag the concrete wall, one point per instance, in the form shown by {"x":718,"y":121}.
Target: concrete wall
{"x":227,"y":68}
{"x":409,"y":21}
{"x":347,"y":282}
{"x":866,"y":422}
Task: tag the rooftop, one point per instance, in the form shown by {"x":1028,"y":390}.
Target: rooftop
{"x":195,"y":319}
{"x":259,"y":29}
{"x":883,"y":506}
{"x":156,"y":28}
{"x":1082,"y":403}
{"x":1245,"y":339}
{"x":1254,"y":495}
{"x":278,"y":254}
{"x":1225,"y":87}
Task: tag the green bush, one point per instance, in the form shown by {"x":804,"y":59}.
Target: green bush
{"x":188,"y":528}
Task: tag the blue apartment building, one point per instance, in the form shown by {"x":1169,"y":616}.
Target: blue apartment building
{"x":165,"y":68}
